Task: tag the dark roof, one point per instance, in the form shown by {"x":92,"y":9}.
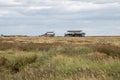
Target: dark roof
{"x":49,"y":32}
{"x":74,"y":31}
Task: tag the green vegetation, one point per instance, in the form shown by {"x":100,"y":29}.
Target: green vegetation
{"x":34,"y":58}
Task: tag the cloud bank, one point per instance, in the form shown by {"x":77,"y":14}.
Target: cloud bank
{"x":33,"y":17}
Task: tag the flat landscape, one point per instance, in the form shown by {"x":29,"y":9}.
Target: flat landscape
{"x":59,"y":58}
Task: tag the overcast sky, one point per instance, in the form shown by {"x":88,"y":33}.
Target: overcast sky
{"x":34,"y":17}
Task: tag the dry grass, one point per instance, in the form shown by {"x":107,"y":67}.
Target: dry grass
{"x":60,"y":58}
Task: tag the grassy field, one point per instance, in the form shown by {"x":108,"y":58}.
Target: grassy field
{"x":60,"y":58}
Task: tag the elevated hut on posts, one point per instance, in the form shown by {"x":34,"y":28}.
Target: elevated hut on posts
{"x":74,"y":33}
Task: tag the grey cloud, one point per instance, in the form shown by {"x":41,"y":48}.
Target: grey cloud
{"x":60,"y":17}
{"x":98,"y":1}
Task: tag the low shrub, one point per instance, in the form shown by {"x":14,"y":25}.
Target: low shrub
{"x":17,"y":62}
{"x":108,"y":49}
